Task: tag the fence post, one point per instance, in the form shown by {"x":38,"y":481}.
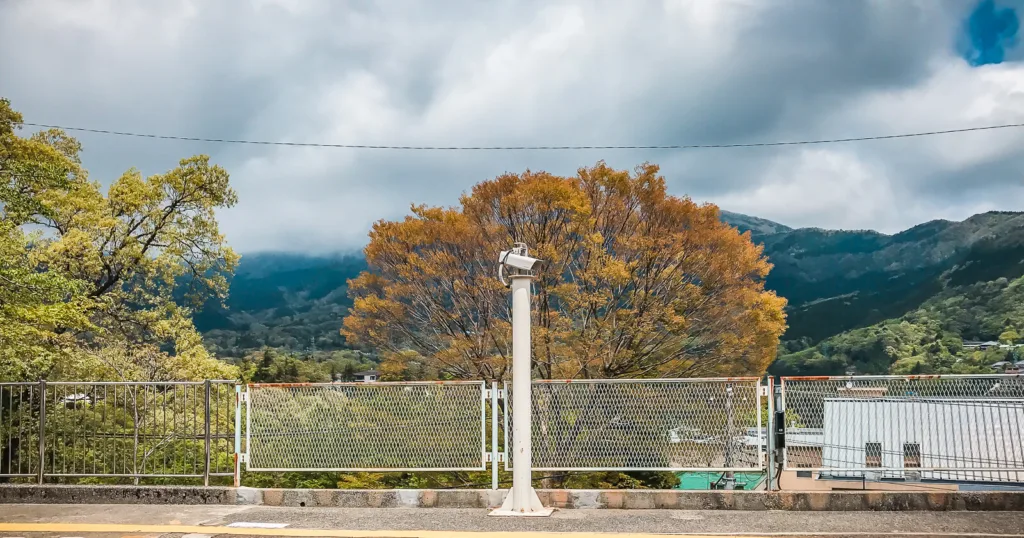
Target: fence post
{"x":779,"y":431}
{"x":494,"y":435}
{"x":238,"y":435}
{"x":769,"y":429}
{"x":206,"y":422}
{"x":522,"y":500}
{"x":42,"y":430}
{"x":729,"y":476}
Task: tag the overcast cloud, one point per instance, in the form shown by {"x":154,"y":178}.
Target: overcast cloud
{"x":545,"y":72}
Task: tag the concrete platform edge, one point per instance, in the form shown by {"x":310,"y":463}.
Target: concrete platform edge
{"x":578,"y":499}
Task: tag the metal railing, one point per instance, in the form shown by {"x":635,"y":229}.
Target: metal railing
{"x":645,"y":425}
{"x":117,"y":429}
{"x":943,"y":427}
{"x":958,"y":428}
{"x":411,"y":426}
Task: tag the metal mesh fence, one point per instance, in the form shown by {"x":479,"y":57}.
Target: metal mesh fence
{"x":116,"y":429}
{"x":366,"y":426}
{"x":964,"y":428}
{"x":645,"y":424}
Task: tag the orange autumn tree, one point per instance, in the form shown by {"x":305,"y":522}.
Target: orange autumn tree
{"x":636,"y":283}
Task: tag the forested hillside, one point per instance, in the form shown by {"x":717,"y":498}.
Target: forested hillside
{"x":907,"y":300}
{"x":285,"y":301}
{"x":928,"y":339}
{"x":840,"y":280}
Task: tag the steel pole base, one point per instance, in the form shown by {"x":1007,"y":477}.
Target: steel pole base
{"x":535,"y":508}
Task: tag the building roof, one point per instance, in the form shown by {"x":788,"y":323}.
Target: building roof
{"x":367,"y":372}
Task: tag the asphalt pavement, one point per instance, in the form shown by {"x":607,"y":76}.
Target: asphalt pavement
{"x":202,"y":521}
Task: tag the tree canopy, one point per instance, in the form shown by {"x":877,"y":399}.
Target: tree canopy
{"x":636,"y":283}
{"x":90,"y":276}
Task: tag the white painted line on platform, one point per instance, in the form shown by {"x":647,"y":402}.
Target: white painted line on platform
{"x":257,"y":525}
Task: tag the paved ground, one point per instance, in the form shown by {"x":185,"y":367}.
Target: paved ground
{"x":158,"y":520}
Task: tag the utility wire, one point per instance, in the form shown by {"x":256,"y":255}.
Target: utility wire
{"x":523,"y":148}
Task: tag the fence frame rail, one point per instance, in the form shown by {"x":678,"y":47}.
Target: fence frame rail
{"x":32,"y":413}
{"x":791,"y":382}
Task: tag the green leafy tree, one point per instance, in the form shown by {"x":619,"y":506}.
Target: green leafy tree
{"x":102,"y":268}
{"x":348,"y":373}
{"x":265,"y":371}
{"x":33,"y":304}
{"x":36,"y":307}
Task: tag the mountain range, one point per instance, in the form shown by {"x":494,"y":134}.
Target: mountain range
{"x":839,"y":284}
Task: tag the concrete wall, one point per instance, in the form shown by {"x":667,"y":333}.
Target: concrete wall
{"x":624,"y":499}
{"x":789,"y":481}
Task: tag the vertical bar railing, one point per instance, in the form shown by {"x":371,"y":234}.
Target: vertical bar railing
{"x":42,"y":431}
{"x":128,"y":430}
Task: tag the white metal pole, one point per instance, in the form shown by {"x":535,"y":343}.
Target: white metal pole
{"x":521,"y":391}
{"x":730,"y":476}
{"x":522,"y":500}
{"x":494,"y":435}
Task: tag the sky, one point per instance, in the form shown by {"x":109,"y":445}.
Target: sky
{"x":502,"y":72}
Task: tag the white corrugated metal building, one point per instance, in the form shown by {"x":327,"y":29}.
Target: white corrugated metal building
{"x":889,"y":438}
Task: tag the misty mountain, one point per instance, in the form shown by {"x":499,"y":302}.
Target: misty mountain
{"x":834,"y":280}
{"x":757,"y":226}
{"x":289,"y":301}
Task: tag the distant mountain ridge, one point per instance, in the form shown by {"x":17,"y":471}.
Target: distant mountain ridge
{"x":755,"y":225}
{"x":875,"y":276}
{"x":834,"y":280}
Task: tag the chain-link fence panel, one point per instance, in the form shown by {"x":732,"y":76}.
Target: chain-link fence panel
{"x":416,"y":426}
{"x":645,"y":425}
{"x":956,"y":427}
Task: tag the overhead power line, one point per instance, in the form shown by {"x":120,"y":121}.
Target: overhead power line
{"x":523,"y":148}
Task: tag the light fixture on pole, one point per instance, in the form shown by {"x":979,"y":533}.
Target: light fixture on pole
{"x":521,"y":500}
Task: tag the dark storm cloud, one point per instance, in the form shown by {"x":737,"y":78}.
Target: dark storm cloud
{"x":513,"y":73}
